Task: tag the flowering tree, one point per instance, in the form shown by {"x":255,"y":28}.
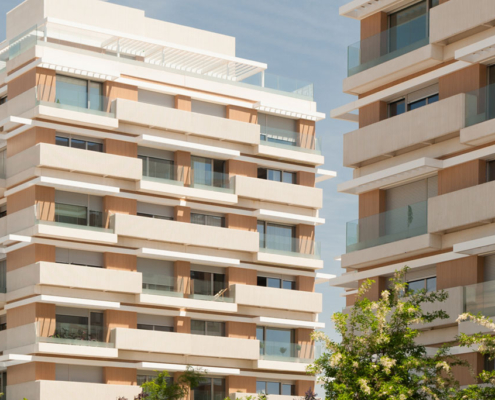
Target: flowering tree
{"x":378,"y":357}
{"x":484,"y":344}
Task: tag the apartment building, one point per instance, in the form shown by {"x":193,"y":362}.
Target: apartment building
{"x":423,"y":156}
{"x":158,"y":209}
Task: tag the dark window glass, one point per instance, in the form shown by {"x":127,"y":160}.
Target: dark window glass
{"x":397,"y":108}
{"x":490,"y":171}
{"x":261,"y":387}
{"x":95,"y":147}
{"x":408,"y":26}
{"x":210,"y":389}
{"x":198,"y":327}
{"x":3,"y":326}
{"x":433,"y":99}
{"x":416,"y":104}
{"x":434,"y":3}
{"x":155,"y":328}
{"x":62,"y":141}
{"x":208,"y":328}
{"x":3,"y":100}
{"x":288,"y":390}
{"x":416,"y":285}
{"x":145,"y":327}
{"x":210,"y":220}
{"x":261,"y":281}
{"x":95,"y":96}
{"x":431,"y":284}
{"x":272,"y":388}
{"x":274,"y":175}
{"x":3,"y":211}
{"x":78,"y":144}
{"x":262,"y":173}
{"x":489,"y":364}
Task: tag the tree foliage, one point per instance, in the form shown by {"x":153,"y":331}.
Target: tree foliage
{"x":378,"y":357}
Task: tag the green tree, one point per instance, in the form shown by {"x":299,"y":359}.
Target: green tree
{"x":377,"y":357}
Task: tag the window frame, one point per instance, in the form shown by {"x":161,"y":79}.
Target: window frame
{"x":424,"y":279}
{"x":407,"y":102}
{"x":206,"y":322}
{"x":282,"y":172}
{"x":281,"y":385}
{"x":70,"y":138}
{"x":282,"y":281}
{"x":207,"y":217}
{"x":146,"y":166}
{"x":264,"y":233}
{"x":88,"y":91}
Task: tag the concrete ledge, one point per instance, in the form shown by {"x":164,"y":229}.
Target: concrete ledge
{"x":390,"y":71}
{"x":290,"y":155}
{"x":297,"y":261}
{"x":392,"y":251}
{"x":479,"y":134}
{"x":184,"y":303}
{"x":282,"y":366}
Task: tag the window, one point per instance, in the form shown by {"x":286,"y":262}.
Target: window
{"x":430,"y":284}
{"x":3,"y":210}
{"x":207,"y":328}
{"x":210,"y":389}
{"x":3,"y":100}
{"x":490,"y":171}
{"x":276,"y":342}
{"x":277,"y":237}
{"x":207,"y":283}
{"x":413,"y":101}
{"x":408,"y":26}
{"x":423,"y":102}
{"x":78,"y":215}
{"x":157,"y":167}
{"x":208,"y":172}
{"x":78,"y":143}
{"x":489,"y":364}
{"x":210,"y":220}
{"x":154,"y":216}
{"x":277,"y":176}
{"x":434,"y":3}
{"x":79,"y":257}
{"x":276,"y":283}
{"x":3,"y":322}
{"x":277,"y":388}
{"x":89,"y":327}
{"x":79,"y":93}
{"x":143,"y":378}
{"x":160,"y":328}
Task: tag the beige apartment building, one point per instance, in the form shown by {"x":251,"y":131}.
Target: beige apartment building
{"x":423,"y":156}
{"x":158,"y":209}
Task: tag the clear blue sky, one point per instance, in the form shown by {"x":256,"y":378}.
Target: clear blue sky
{"x":303,"y":39}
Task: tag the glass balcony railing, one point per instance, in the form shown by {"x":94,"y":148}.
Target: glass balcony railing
{"x":289,"y":246}
{"x":215,"y":181}
{"x":480,"y":298}
{"x":77,"y":335}
{"x":164,"y":285}
{"x":289,"y":140}
{"x":72,"y":216}
{"x":74,"y":100}
{"x":480,"y":105}
{"x":387,"y":45}
{"x":56,"y":35}
{"x":387,"y":227}
{"x":289,"y":352}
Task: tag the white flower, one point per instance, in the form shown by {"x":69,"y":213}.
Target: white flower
{"x":387,"y":363}
{"x":364,"y":386}
{"x":335,"y":359}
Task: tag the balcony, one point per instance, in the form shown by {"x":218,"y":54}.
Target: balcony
{"x":413,"y":129}
{"x":62,"y":390}
{"x":282,"y":299}
{"x":480,"y":298}
{"x":184,"y":233}
{"x":45,"y":155}
{"x":387,"y":45}
{"x":279,"y":192}
{"x":480,"y":117}
{"x":289,"y":352}
{"x":284,"y":250}
{"x":185,"y":344}
{"x":387,"y":227}
{"x":75,"y":276}
{"x":456,"y":19}
{"x":187,"y":122}
{"x":460,"y":209}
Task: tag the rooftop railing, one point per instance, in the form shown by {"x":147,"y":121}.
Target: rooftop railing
{"x":289,"y":140}
{"x":387,"y":45}
{"x":387,"y":227}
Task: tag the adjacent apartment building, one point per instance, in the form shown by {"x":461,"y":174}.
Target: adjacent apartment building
{"x":158,"y":209}
{"x":423,"y":155}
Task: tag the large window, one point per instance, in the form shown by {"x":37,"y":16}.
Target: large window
{"x":157,"y":167}
{"x":207,"y":283}
{"x":276,"y":283}
{"x":210,"y":389}
{"x":206,"y":219}
{"x":428,"y":284}
{"x":276,"y":237}
{"x":78,"y":215}
{"x":277,"y":388}
{"x":277,"y":175}
{"x":78,"y":143}
{"x":80,"y":327}
{"x":413,"y":101}
{"x":79,"y":93}
{"x":208,"y":172}
{"x":161,"y":328}
{"x":408,"y":26}
{"x":207,"y":328}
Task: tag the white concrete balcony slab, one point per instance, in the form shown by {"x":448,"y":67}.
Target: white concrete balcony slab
{"x":456,"y":19}
{"x":184,"y":233}
{"x":265,"y":297}
{"x":178,"y":190}
{"x":75,"y":276}
{"x":278,"y":192}
{"x":461,"y":209}
{"x":411,"y":130}
{"x":479,"y":134}
{"x":187,"y":122}
{"x":59,"y":230}
{"x":392,"y":251}
{"x":177,"y":300}
{"x":62,"y":390}
{"x":453,"y":306}
{"x":282,"y":366}
{"x":45,"y":155}
{"x":360,"y":9}
{"x":185,"y":344}
{"x":295,"y":154}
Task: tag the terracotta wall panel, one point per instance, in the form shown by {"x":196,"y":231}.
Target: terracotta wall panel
{"x":241,"y":222}
{"x":182,"y":275}
{"x":183,"y":103}
{"x":305,"y":283}
{"x":28,"y":139}
{"x":240,"y":330}
{"x":373,"y":113}
{"x":462,"y":81}
{"x":119,"y":376}
{"x":306,"y":134}
{"x":29,"y":372}
{"x":303,"y":339}
{"x":182,"y":324}
{"x":241,"y":168}
{"x":182,"y":161}
{"x":241,"y":276}
{"x":29,"y":255}
{"x":306,"y":179}
{"x":118,"y":319}
{"x":461,"y":176}
{"x":371,"y":203}
{"x":242,"y":114}
{"x":121,"y":262}
{"x":182,"y":214}
{"x":42,"y":313}
{"x":305,"y":235}
{"x":121,"y":148}
{"x":240,"y":384}
{"x":114,"y":90}
{"x":463,"y":374}
{"x":117,"y":205}
{"x":303,"y":386}
{"x":461,"y":272}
